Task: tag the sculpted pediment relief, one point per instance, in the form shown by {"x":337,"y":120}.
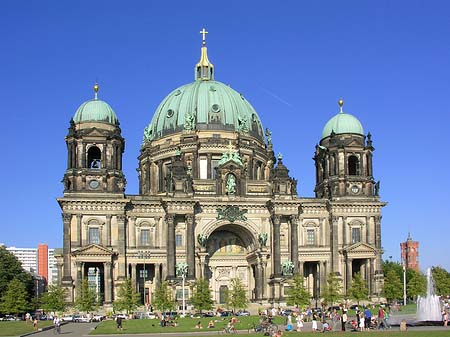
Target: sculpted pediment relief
{"x":93,"y":250}
{"x":360,"y":248}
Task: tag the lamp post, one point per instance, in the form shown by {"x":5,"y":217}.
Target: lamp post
{"x":182,"y":270}
{"x":144,"y":254}
{"x":404,"y":282}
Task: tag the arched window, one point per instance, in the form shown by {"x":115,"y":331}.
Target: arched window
{"x":356,"y":234}
{"x":353,"y":165}
{"x":94,"y":157}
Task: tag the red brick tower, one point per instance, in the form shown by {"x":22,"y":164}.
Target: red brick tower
{"x":43,"y":260}
{"x":410,"y":253}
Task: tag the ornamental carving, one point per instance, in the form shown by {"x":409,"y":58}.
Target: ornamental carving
{"x":287,"y":268}
{"x":231,"y":213}
{"x":202,"y":239}
{"x":66,"y":217}
{"x":262,"y":239}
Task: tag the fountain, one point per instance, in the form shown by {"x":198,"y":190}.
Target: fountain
{"x":429,"y":307}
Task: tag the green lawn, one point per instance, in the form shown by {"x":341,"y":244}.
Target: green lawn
{"x":20,"y":327}
{"x":184,"y":324}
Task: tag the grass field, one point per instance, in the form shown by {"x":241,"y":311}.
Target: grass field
{"x":183,"y":325}
{"x":20,"y":327}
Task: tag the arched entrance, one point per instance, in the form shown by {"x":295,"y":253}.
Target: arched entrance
{"x":229,"y":250}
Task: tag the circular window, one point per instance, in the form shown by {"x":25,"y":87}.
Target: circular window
{"x":177,"y":93}
{"x":212,"y":88}
{"x":170,"y":113}
{"x":215,"y":108}
{"x":254,"y":118}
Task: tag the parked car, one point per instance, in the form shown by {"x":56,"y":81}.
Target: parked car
{"x":170,"y":314}
{"x":287,"y":312}
{"x":202,"y":314}
{"x":123,"y":316}
{"x":334,"y":307}
{"x":10,"y":318}
{"x":81,"y":319}
{"x":67,"y":318}
{"x":226,"y":313}
{"x":354,"y":306}
{"x":243,"y":313}
{"x":98,"y":318}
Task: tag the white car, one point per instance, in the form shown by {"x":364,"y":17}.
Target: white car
{"x":81,"y":319}
{"x":98,"y":318}
{"x":67,"y":318}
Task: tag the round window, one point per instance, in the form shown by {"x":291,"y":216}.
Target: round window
{"x":170,"y":113}
{"x":215,"y":108}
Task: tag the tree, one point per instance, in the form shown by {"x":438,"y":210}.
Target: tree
{"x":163,"y":298}
{"x":237,"y":296}
{"x":297,"y":293}
{"x":416,"y":283}
{"x":14,"y":301}
{"x":54,"y":299}
{"x":128,"y":299}
{"x":201,"y":295}
{"x":393,"y":287}
{"x":394,"y":266}
{"x":441,"y":281}
{"x":358,"y":290}
{"x":11,"y":268}
{"x":86,"y":297}
{"x":332,"y":292}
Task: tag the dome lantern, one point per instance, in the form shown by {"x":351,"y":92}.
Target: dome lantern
{"x":204,"y":70}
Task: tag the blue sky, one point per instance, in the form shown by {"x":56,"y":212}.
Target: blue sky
{"x":389,"y":60}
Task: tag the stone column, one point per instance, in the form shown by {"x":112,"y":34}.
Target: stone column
{"x":108,"y":230}
{"x":377,"y":220}
{"x":348,"y":269}
{"x":132,"y":232}
{"x":334,"y":234}
{"x":190,"y":245}
{"x":79,"y":230}
{"x":371,"y":276}
{"x":133,"y":275}
{"x":157,"y":274}
{"x":79,"y":277}
{"x":276,"y":222}
{"x":67,"y":276}
{"x":258,"y":282}
{"x":263,"y":266}
{"x":121,"y":247}
{"x":108,"y":284}
{"x":171,"y":249}
{"x":294,"y":242}
{"x":301,"y":270}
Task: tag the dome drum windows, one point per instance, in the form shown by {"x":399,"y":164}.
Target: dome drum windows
{"x":94,"y":157}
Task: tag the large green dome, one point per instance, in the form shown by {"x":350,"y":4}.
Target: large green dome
{"x":204,"y":105}
{"x":343,"y":123}
{"x":95,"y":110}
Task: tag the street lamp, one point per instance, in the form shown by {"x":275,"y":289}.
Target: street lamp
{"x":144,"y":254}
{"x":182,"y":270}
{"x":404,"y":282}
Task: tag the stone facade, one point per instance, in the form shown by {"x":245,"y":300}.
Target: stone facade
{"x":217,"y":199}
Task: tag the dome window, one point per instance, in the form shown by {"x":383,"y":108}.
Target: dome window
{"x":212,"y":88}
{"x":215,"y":108}
{"x":170,"y":113}
{"x":94,"y":157}
{"x":177,"y":93}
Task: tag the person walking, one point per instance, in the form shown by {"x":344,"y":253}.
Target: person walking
{"x":314,"y":321}
{"x":57,"y":325}
{"x":344,"y":319}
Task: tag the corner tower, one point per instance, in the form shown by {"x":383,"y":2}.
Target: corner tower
{"x":343,"y":159}
{"x":94,"y":150}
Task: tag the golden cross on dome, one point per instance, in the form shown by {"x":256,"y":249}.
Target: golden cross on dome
{"x":204,"y":32}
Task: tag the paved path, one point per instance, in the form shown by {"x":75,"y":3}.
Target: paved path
{"x":69,"y":330}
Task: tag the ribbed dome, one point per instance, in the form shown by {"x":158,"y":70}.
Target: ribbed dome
{"x":95,"y":111}
{"x":204,"y":105}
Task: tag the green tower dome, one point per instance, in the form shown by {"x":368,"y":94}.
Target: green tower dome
{"x":342,"y":123}
{"x":95,"y":110}
{"x":204,"y":104}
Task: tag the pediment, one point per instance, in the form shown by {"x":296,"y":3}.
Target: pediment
{"x":93,"y":250}
{"x":360,"y":248}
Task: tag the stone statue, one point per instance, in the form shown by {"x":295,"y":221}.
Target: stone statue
{"x":287,"y":268}
{"x":262,"y":239}
{"x":376,"y":189}
{"x":294,"y":186}
{"x":189,"y":122}
{"x":202,"y":239}
{"x":269,"y":136}
{"x":231,"y":184}
{"x":242,"y":124}
{"x":148,"y":133}
{"x":181,"y":269}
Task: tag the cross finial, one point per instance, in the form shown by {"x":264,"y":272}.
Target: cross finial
{"x":203,"y":32}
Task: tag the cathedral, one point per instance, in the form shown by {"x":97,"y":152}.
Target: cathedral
{"x":215,"y":202}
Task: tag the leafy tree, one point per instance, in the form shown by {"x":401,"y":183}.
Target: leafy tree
{"x":54,"y":299}
{"x":86,"y":299}
{"x":201,"y":295}
{"x":441,"y":281}
{"x":358,"y":290}
{"x":332,"y":292}
{"x":14,"y":301}
{"x":394,"y":266}
{"x":297,"y":293}
{"x":237,"y":296}
{"x":393,"y":286}
{"x":11,"y":268}
{"x":128,"y":299}
{"x":416,"y":283}
{"x":163,"y":297}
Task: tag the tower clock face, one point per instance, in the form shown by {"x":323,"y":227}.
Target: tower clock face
{"x":355,"y":189}
{"x":94,"y":184}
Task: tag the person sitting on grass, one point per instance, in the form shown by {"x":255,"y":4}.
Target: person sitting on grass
{"x":210,"y":324}
{"x":199,"y":325}
{"x":325,"y":327}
